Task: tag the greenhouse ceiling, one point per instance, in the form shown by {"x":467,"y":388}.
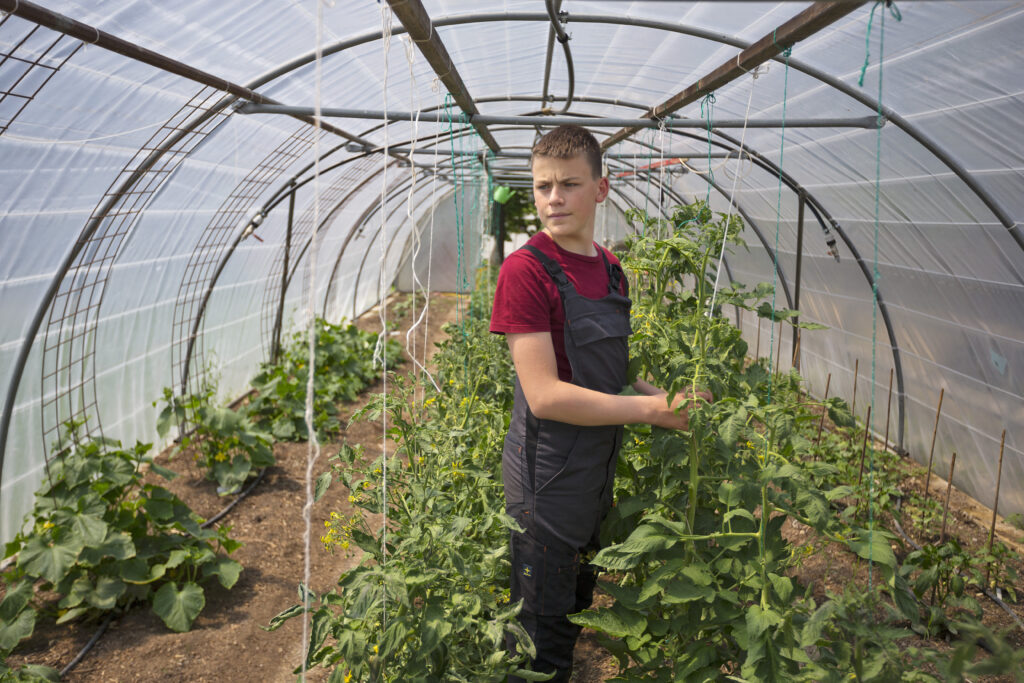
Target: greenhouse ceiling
{"x":170,"y":168}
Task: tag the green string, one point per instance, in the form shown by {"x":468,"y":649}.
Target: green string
{"x":867,"y":39}
{"x":709,"y":101}
{"x":647,"y":188}
{"x":778,"y":221}
{"x":876,"y":275}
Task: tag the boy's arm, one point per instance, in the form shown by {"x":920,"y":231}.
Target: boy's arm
{"x":552,"y":399}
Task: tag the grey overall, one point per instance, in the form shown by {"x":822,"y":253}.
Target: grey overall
{"x":558,"y":477}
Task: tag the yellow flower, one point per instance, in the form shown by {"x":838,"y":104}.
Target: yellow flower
{"x":351,"y":499}
{"x":327,"y":523}
{"x":48,"y":525}
{"x":376,"y":649}
{"x":348,"y":677}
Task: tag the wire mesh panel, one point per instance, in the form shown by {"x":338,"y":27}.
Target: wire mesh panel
{"x":30,"y":59}
{"x":68,"y":363}
{"x":235,"y":213}
{"x":330,"y":201}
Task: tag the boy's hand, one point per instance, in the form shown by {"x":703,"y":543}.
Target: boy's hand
{"x":676,"y":415}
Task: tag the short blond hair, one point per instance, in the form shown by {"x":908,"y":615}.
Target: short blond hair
{"x":566,"y":142}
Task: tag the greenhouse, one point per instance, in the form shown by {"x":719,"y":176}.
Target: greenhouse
{"x":257,"y":421}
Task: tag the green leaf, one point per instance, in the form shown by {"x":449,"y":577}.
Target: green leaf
{"x":225,"y":569}
{"x":278,"y":620}
{"x":50,"y":560}
{"x":323,"y":482}
{"x":760,"y":620}
{"x":136,"y":570}
{"x":108,"y":589}
{"x":616,"y":621}
{"x":783,"y":586}
{"x":117,"y":545}
{"x":738,"y":512}
{"x":37,"y":672}
{"x":73,"y":614}
{"x":815,"y":626}
{"x":730,"y":493}
{"x":179,"y":608}
{"x":16,"y":629}
{"x":680,"y":591}
{"x":15,"y":600}
{"x":733,"y":426}
{"x":162,"y":471}
{"x":839,"y":492}
{"x":91,"y":529}
{"x":874,"y":546}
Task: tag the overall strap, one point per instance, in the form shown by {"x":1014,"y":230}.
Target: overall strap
{"x":554,"y":270}
{"x":615,"y":274}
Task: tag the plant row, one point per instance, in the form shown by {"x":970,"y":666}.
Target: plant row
{"x":703,"y":579}
{"x":104,"y":535}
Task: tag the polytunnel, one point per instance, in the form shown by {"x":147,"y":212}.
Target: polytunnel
{"x":185,"y":184}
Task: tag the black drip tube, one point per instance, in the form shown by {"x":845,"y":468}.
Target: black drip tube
{"x":563,"y":38}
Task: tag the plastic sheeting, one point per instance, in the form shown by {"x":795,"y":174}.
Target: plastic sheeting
{"x":951,"y":275}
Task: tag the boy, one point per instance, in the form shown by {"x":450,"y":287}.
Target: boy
{"x":561,"y":301}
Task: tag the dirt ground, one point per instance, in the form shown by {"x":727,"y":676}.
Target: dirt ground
{"x":228,"y":643}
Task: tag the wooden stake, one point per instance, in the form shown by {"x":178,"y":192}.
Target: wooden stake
{"x":856,"y":375}
{"x":824,"y":408}
{"x":888,"y":409}
{"x":864,"y":447}
{"x":949,"y":489}
{"x":931,"y":452}
{"x":995,"y":506}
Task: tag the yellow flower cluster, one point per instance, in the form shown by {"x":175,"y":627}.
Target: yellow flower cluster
{"x":339,"y":530}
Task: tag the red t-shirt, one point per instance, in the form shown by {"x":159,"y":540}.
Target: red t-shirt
{"x":526,"y":298}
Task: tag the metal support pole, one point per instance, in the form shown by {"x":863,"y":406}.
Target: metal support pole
{"x":868,"y":122}
{"x":279,"y":318}
{"x":802,"y":200}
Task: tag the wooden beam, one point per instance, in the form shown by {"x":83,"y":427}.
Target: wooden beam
{"x":417,"y":22}
{"x":807,"y":23}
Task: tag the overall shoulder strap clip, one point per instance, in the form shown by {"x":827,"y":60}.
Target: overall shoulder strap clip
{"x":551,"y":266}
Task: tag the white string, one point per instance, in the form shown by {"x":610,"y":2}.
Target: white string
{"x":410,"y":54}
{"x":732,"y":195}
{"x":379,"y":353}
{"x":661,"y":174}
{"x":84,"y":141}
{"x":313,"y":445}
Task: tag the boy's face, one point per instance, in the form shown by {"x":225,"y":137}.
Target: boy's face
{"x":566,"y":195}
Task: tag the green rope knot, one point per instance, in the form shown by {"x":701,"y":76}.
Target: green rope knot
{"x":708,"y":100}
{"x":786,"y":51}
{"x":895,"y":12}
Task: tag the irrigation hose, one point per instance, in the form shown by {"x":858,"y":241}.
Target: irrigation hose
{"x":110,"y":617}
{"x":563,"y":38}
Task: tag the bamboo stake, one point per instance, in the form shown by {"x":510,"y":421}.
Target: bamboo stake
{"x":853,"y":409}
{"x":995,"y":506}
{"x":856,"y":376}
{"x":888,"y":410}
{"x":864,"y":446}
{"x":949,"y":489}
{"x":824,"y":408}
{"x":931,"y":453}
